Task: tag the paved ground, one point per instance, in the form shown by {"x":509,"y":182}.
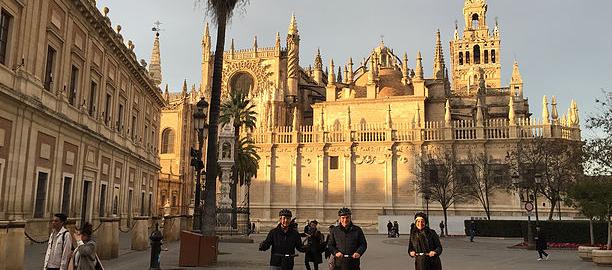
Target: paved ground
{"x":383,"y":253}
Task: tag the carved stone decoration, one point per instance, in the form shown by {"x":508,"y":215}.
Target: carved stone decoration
{"x":254,"y":68}
{"x":365,"y":159}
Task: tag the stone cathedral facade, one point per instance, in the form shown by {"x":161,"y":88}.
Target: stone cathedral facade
{"x":348,"y":133}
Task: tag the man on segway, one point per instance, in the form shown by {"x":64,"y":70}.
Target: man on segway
{"x":284,"y":240}
{"x":347,"y":242}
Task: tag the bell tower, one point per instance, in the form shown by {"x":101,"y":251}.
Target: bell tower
{"x":477,"y":49}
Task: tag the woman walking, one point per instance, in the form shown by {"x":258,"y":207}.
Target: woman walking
{"x":424,"y":245}
{"x":541,"y":244}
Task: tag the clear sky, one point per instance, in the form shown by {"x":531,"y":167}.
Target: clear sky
{"x":564,"y":47}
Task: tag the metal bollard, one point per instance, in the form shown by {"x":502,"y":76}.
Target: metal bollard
{"x":155,"y":237}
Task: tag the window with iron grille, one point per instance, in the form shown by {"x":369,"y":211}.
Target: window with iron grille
{"x":102,"y":200}
{"x":5,"y":21}
{"x":41,"y":195}
{"x":49,"y":67}
{"x":74,"y":79}
{"x":66,"y":194}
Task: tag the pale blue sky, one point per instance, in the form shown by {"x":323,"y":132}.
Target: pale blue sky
{"x":564,"y":47}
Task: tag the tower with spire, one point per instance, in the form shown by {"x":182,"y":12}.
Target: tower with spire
{"x":155,"y":64}
{"x":207,"y":63}
{"x":476,"y":49}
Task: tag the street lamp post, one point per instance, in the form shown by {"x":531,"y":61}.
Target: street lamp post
{"x":522,"y":185}
{"x":537,"y":181}
{"x":201,"y":127}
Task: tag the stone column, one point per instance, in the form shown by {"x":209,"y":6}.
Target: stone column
{"x":107,"y":238}
{"x":348,"y":177}
{"x":172,"y":228}
{"x":140,"y":233}
{"x":12,"y":245}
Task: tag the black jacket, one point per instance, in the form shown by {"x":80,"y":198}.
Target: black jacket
{"x":347,"y":240}
{"x":282,"y":243}
{"x":432,"y":244}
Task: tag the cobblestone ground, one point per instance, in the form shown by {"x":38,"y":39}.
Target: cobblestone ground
{"x":383,"y":253}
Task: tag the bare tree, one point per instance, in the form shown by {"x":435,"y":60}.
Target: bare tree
{"x":484,"y":178}
{"x":437,"y":177}
{"x":558,"y":161}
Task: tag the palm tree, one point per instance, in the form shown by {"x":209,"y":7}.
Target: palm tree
{"x":242,"y":111}
{"x":221,"y":11}
{"x":247,"y":164}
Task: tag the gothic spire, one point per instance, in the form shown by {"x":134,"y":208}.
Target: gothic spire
{"x":331,"y":77}
{"x":339,"y":74}
{"x":349,"y":76}
{"x":206,"y":36}
{"x":479,"y":116}
{"x":318,"y":64}
{"x":184,"y":91}
{"x":419,"y":67}
{"x":511,"y":115}
{"x":447,"y":114}
{"x":545,"y":115}
{"x":293,"y":30}
{"x":255,"y":42}
{"x":277,"y":42}
{"x":155,"y":66}
{"x":438,"y":69}
{"x":554,"y":113}
{"x":405,"y":69}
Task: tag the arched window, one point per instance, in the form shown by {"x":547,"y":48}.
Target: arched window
{"x":242,"y":82}
{"x":467,"y":57}
{"x":476,"y":54}
{"x":474,"y":21}
{"x":167,"y":141}
{"x":460,"y":58}
{"x":486,"y":57}
{"x":492,"y":56}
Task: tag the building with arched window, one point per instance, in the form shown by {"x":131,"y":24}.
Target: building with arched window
{"x":177,"y":136}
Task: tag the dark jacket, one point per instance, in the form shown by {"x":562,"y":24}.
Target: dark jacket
{"x":540,"y":240}
{"x":432,"y":243}
{"x":316,"y":246}
{"x":347,"y":241}
{"x":282,"y":243}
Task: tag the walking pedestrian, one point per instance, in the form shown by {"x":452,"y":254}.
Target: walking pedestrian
{"x":84,"y":255}
{"x":389,"y":229}
{"x":441,"y":228}
{"x":347,"y":242}
{"x":396,"y":228}
{"x":472,"y":230}
{"x":315,"y":244}
{"x":424,"y":245}
{"x":284,"y":240}
{"x":541,"y":244}
{"x":59,"y":246}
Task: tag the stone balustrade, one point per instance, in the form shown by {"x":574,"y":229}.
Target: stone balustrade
{"x":492,"y":129}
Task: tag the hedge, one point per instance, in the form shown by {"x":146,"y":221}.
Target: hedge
{"x":564,"y":231}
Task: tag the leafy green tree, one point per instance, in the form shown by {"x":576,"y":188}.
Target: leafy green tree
{"x":593,"y":197}
{"x":221,"y":11}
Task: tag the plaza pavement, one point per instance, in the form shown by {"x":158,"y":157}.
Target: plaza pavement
{"x":382,"y":253}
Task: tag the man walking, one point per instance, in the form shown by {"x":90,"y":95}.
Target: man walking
{"x":59,"y":246}
{"x":389,"y":228}
{"x":441,"y":228}
{"x":472,"y":230}
{"x":347,"y":242}
{"x":284,"y":240}
{"x":396,"y":228}
{"x":541,"y":244}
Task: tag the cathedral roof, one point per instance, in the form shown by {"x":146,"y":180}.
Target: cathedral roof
{"x":390,"y":81}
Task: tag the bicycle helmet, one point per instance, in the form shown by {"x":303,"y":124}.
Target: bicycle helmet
{"x":285,"y":212}
{"x":344,"y":212}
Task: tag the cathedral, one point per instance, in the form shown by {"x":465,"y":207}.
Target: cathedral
{"x":350,"y":133}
